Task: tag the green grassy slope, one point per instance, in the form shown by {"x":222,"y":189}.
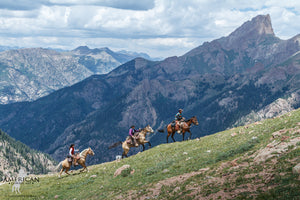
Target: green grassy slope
{"x":224,"y":165}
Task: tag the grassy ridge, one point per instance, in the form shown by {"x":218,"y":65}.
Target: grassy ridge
{"x":219,"y":166}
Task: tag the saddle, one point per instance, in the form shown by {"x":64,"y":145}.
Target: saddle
{"x":128,"y":139}
{"x":175,"y":125}
{"x":70,"y":159}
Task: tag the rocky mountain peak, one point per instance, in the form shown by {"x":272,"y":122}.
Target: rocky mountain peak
{"x":82,"y":50}
{"x":255,"y":30}
{"x":85,"y":50}
{"x":259,"y":25}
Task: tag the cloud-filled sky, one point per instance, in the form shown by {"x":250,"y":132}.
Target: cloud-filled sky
{"x":160,"y":28}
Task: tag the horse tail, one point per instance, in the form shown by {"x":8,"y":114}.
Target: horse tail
{"x":57,"y":167}
{"x":163,"y":129}
{"x":115,"y":145}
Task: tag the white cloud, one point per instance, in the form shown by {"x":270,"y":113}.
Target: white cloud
{"x":160,"y":28}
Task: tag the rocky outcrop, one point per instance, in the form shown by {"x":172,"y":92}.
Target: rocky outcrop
{"x":296,"y":169}
{"x":119,"y":170}
{"x":279,"y":107}
{"x":282,"y":141}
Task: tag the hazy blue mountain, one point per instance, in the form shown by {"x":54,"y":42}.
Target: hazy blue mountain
{"x":30,"y":73}
{"x":6,"y":48}
{"x":103,"y":60}
{"x":220,"y":82}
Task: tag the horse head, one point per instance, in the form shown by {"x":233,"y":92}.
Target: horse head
{"x":90,"y":151}
{"x":194,"y":120}
{"x":148,"y":129}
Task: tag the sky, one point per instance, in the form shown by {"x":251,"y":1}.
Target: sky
{"x":160,"y":28}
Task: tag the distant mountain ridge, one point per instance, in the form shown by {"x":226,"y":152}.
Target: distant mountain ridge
{"x":219,"y":82}
{"x":5,"y":48}
{"x":31,"y":73}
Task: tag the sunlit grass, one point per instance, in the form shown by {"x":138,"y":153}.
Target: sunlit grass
{"x":174,"y":159}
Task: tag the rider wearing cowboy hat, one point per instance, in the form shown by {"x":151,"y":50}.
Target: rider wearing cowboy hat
{"x":72,"y":154}
{"x":179,"y":119}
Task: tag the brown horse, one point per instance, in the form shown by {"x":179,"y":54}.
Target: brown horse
{"x":141,"y":140}
{"x":186,"y":125}
{"x":66,"y":165}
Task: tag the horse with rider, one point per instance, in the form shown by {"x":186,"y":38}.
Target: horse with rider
{"x":181,"y":125}
{"x":135,"y":138}
{"x":75,"y":158}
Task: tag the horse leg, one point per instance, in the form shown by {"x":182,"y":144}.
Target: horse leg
{"x":183,"y":133}
{"x":61,"y":171}
{"x":190,"y":134}
{"x":168,"y":137}
{"x":67,"y":169}
{"x":143,"y":147}
{"x":84,"y":167}
{"x":149,"y":144}
{"x":173,"y":137}
{"x":125,"y":152}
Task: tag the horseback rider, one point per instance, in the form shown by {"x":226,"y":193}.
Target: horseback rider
{"x":178,"y":120}
{"x":132,"y":135}
{"x":72,"y":154}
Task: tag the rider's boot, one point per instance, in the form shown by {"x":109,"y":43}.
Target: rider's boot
{"x":135,"y":143}
{"x":75,"y":162}
{"x":179,"y":129}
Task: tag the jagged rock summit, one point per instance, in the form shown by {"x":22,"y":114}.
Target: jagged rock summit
{"x":253,"y":30}
{"x":250,"y":48}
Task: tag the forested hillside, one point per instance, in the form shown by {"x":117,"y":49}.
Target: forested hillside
{"x":15,"y":155}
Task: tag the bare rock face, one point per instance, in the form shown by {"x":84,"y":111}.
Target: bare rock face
{"x":119,"y":171}
{"x":251,"y":31}
{"x":275,"y":148}
{"x":296,"y":169}
{"x":254,"y":41}
{"x":29,"y":74}
{"x":276,"y":108}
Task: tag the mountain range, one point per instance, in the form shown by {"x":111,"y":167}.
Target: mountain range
{"x":30,"y":73}
{"x":221,"y":82}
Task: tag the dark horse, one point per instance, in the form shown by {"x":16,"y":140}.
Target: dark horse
{"x":186,"y":125}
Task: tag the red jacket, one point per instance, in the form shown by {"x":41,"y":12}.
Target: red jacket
{"x":71,"y":151}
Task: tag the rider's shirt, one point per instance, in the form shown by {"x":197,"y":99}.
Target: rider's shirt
{"x":72,"y":151}
{"x":132,"y":131}
{"x":178,"y":116}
